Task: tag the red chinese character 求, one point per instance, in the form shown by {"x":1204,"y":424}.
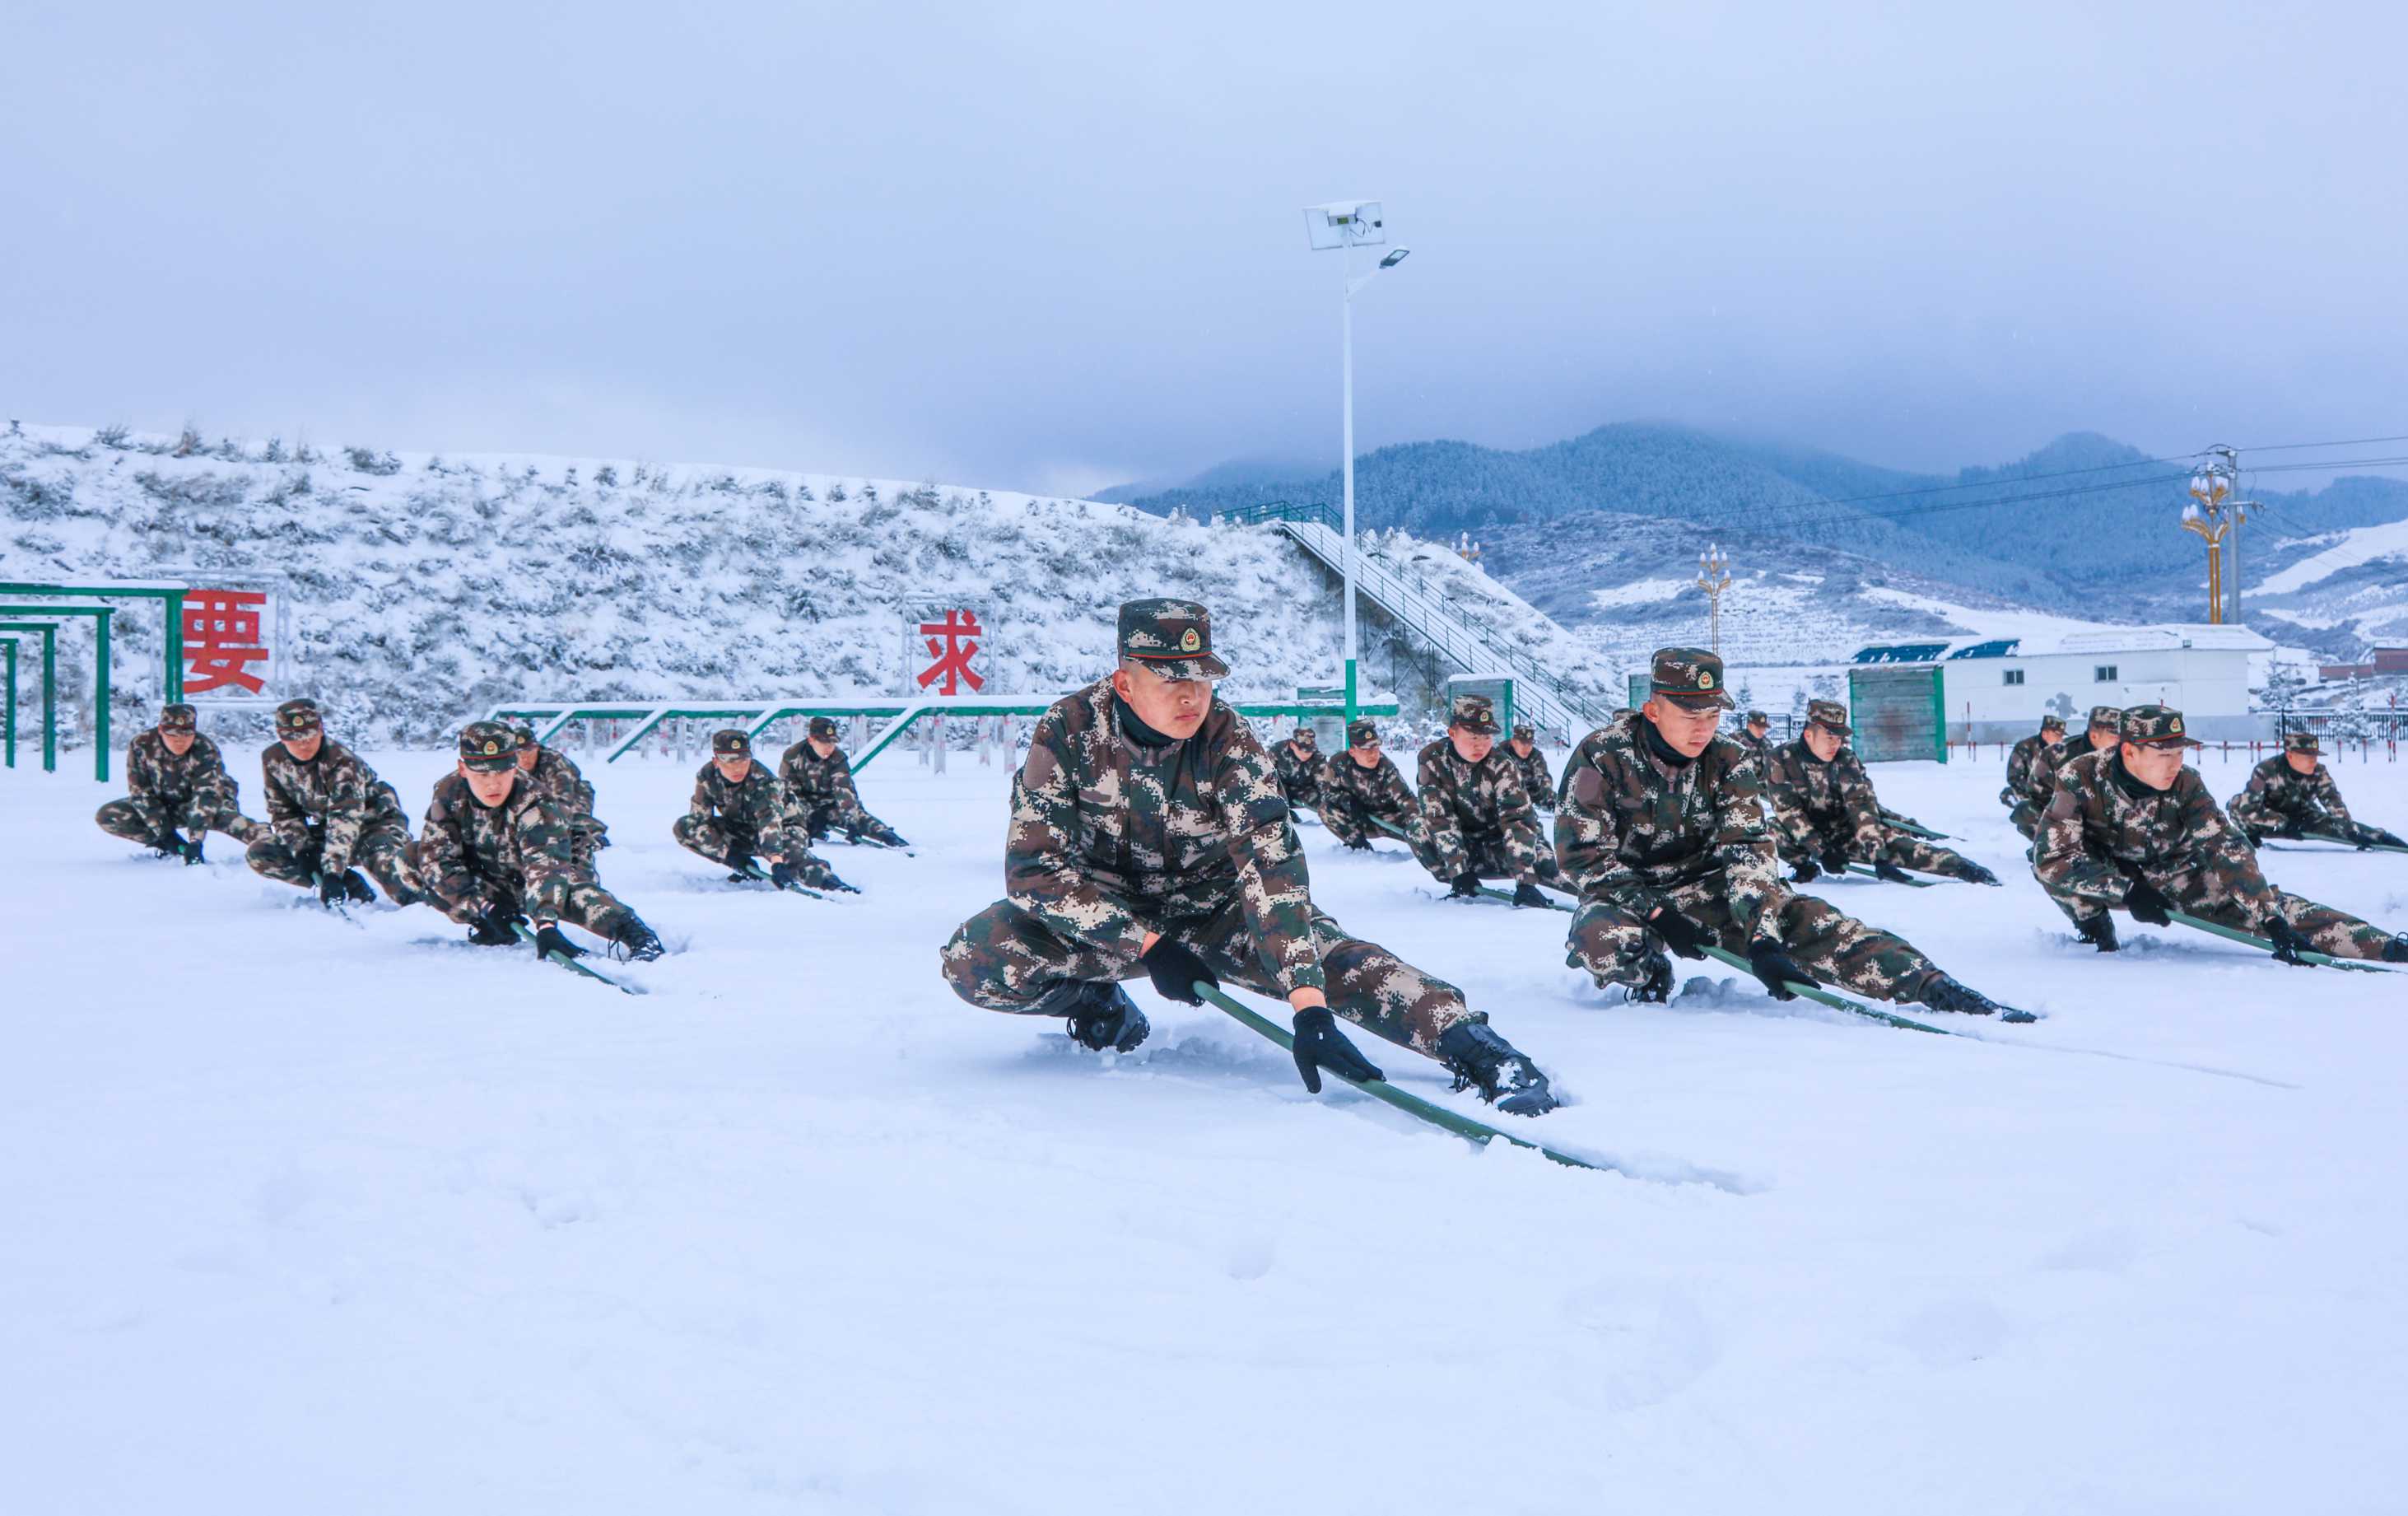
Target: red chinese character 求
{"x":949,"y":642}
{"x":220,"y":636}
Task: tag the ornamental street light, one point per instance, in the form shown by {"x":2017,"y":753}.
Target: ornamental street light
{"x":1343,"y":226}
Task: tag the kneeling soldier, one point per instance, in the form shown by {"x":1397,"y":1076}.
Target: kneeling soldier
{"x":494,"y":851}
{"x":1298,"y":761}
{"x":2031,"y":776}
{"x":1479,"y":818}
{"x":818,"y":779}
{"x":327,"y":811}
{"x":1531,"y":765}
{"x":1662,"y":830}
{"x":1824,"y":807}
{"x":1361,"y":787}
{"x":553,"y":775}
{"x":739,"y":810}
{"x":2135,"y":830}
{"x":2292,"y":794}
{"x":174,"y":777}
{"x":1149,"y":838}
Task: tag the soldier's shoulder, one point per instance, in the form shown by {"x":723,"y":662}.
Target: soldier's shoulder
{"x":1433,"y":750}
{"x":1080,"y":709}
{"x":1224,"y":729}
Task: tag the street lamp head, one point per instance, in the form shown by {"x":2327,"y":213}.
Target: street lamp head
{"x":1345,"y":224}
{"x":1396,"y":257}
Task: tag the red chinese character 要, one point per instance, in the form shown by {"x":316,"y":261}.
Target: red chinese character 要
{"x":222,"y":639}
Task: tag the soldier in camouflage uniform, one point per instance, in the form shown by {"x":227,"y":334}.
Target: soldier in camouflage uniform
{"x":739,"y":811}
{"x":1824,"y":813}
{"x":1661,"y":831}
{"x":1537,"y":780}
{"x":327,"y":811}
{"x":2292,"y":794}
{"x":557,"y":779}
{"x":495,"y":850}
{"x":2135,"y":830}
{"x":174,"y":778}
{"x":818,"y":780}
{"x":1360,"y":789}
{"x":1755,"y":739}
{"x":1479,"y":818}
{"x":1150,"y":838}
{"x":1298,"y":761}
{"x":2031,"y":776}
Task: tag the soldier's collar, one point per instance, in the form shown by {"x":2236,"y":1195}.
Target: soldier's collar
{"x":1662,"y":751}
{"x":1135,"y":730}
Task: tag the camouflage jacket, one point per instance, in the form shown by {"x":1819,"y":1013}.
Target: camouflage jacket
{"x":557,"y":779}
{"x":1814,"y":803}
{"x":2274,"y":790}
{"x":1110,"y":839}
{"x":1631,"y":827}
{"x":2101,"y":828}
{"x":1537,"y":782}
{"x":1299,"y":777}
{"x":812,"y":779}
{"x":1460,"y":799}
{"x":758,"y":807}
{"x":2029,"y":775}
{"x":153,"y":772}
{"x":1378,"y":790}
{"x":471,"y":854}
{"x":334,"y":791}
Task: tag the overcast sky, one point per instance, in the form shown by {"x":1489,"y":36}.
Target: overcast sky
{"x":1058,"y":246}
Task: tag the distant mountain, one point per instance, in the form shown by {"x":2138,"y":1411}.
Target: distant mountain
{"x":1236,"y":473}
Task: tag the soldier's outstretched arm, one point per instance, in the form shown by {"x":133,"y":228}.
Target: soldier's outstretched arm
{"x":2328,"y":796}
{"x":702,"y":806}
{"x":1042,"y":869}
{"x":2062,"y":859}
{"x":285,"y":817}
{"x":347,"y":815}
{"x":1272,"y":883}
{"x":1863,"y":808}
{"x":2217,"y":845}
{"x":1791,"y":830}
{"x":1435,"y":799}
{"x":1588,"y":833}
{"x":1751,"y":863}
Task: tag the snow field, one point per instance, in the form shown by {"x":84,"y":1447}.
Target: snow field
{"x":308,"y":1215}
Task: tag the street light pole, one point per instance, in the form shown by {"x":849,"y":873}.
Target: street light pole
{"x":1345,"y":226}
{"x":1346,"y":343}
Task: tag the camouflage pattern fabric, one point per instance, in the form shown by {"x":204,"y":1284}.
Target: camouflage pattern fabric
{"x":1635,"y":831}
{"x":1819,"y":807}
{"x":2031,"y":776}
{"x":1112,"y":838}
{"x":2104,"y":828}
{"x":165,"y":792}
{"x":820,"y":791}
{"x":556,"y":778}
{"x":1537,"y":781}
{"x":1352,"y":796}
{"x":1299,"y":775}
{"x":330,"y":815}
{"x":1478,"y":817}
{"x":725,"y":822}
{"x":2276,"y":799}
{"x":520,"y":855}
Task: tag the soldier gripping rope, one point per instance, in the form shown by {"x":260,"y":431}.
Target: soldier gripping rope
{"x":2135,"y":830}
{"x":1826,"y":814}
{"x":818,"y":780}
{"x":2292,"y":794}
{"x":1661,"y":830}
{"x":495,"y":850}
{"x":1298,"y":761}
{"x":740,"y":813}
{"x":2031,"y":776}
{"x":1531,"y":768}
{"x":553,"y":774}
{"x":328,"y":816}
{"x":1479,"y":819}
{"x":1362,"y":794}
{"x":176,"y":779}
{"x":1150,"y":838}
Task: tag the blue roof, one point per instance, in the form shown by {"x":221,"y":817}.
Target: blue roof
{"x":1996,"y":648}
{"x":1901,"y":653}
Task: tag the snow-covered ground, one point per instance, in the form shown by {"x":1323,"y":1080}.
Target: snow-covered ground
{"x":310,"y":1217}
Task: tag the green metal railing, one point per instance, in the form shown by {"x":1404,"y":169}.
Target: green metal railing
{"x":101,"y":615}
{"x":171,"y":596}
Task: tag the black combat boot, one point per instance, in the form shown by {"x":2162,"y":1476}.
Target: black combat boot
{"x":1976,"y":874}
{"x":1945,"y":994}
{"x":1479,"y":1058}
{"x":1101,"y":1016}
{"x":1527,"y":893}
{"x":636,"y":939}
{"x":2395,"y":950}
{"x":2098,"y":931}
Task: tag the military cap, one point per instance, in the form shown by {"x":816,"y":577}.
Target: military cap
{"x":1689,"y":676}
{"x":524,"y":731}
{"x":1831,"y":713}
{"x":2109,"y":716}
{"x":2156,"y":725}
{"x":1173,"y":638}
{"x":1473,"y":713}
{"x":1757,"y":718}
{"x":2052,"y":722}
{"x":730,"y":741}
{"x":488,"y":746}
{"x":823,"y":728}
{"x":2301,"y":741}
{"x":178,"y":717}
{"x":1304,"y":734}
{"x":1363,"y":734}
{"x":297,"y":716}
{"x":1524,"y":732}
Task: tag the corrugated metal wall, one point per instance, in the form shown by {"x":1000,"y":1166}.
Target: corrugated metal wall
{"x":1896,"y":713}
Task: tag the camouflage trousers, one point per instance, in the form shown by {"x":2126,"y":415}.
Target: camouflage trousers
{"x":1614,"y":946}
{"x":715,"y":839}
{"x":382,"y":853}
{"x":2205,"y":895}
{"x":1493,"y":857}
{"x":1349,"y":822}
{"x":576,"y":896}
{"x":820,"y":817}
{"x":1004,"y":958}
{"x":2024,"y":818}
{"x":140,"y":819}
{"x":1906,"y":850}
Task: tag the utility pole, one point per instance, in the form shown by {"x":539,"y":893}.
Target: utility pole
{"x":1714,"y":577}
{"x":2209,"y":489}
{"x":2228,"y":461}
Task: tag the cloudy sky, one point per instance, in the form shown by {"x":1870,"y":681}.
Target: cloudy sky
{"x":1057,"y":246}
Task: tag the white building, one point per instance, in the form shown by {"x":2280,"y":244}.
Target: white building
{"x":1997,"y":689}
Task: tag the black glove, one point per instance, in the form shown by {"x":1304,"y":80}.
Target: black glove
{"x":781,"y":874}
{"x":2288,"y":943}
{"x":742,"y":861}
{"x":2256,"y":838}
{"x":1319,"y":1045}
{"x":549,"y":942}
{"x":852,"y":835}
{"x":1807,"y":871}
{"x":1527,"y":893}
{"x":1466,"y":886}
{"x":1360,"y":844}
{"x":191,"y":847}
{"x":2389,"y":839}
{"x":1835,"y":860}
{"x":1885,"y":869}
{"x":1681,"y":934}
{"x":1175,"y":970}
{"x":330,"y":889}
{"x":1776,"y":969}
{"x":837,"y":884}
{"x":2146,"y":905}
{"x":493,"y":928}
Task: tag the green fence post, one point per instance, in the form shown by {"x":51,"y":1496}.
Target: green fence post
{"x":100,"y":702}
{"x":8,"y":712}
{"x":49,"y":687}
{"x":175,"y":682}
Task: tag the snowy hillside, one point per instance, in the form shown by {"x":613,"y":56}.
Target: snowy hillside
{"x":2355,"y":582}
{"x":426,"y":587}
